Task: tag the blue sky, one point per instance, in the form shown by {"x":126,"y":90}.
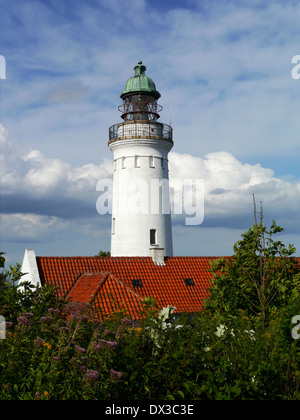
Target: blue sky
{"x":223,"y":69}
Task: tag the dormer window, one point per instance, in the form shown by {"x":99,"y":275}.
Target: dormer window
{"x":136,"y":283}
{"x":189,"y":282}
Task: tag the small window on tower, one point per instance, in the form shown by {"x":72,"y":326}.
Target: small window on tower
{"x":123,"y":162}
{"x":151,"y":161}
{"x":152,"y":236}
{"x":137,"y":162}
{"x":162,"y":162}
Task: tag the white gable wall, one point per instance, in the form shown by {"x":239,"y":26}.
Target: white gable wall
{"x":30,"y":268}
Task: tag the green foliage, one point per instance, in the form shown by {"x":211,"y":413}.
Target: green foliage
{"x":103,"y":254}
{"x":57,"y":350}
{"x":261,"y":277}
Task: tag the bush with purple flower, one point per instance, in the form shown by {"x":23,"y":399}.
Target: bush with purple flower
{"x":91,"y":375}
{"x":57,"y":350}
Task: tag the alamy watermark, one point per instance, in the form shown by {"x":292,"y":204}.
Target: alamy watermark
{"x":2,"y":67}
{"x":296,"y":329}
{"x":296,"y":69}
{"x":2,"y":328}
{"x":142,"y":197}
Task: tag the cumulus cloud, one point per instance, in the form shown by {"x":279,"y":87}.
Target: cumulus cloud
{"x":36,"y":175}
{"x":50,"y":202}
{"x":223,"y":67}
{"x":46,"y":187}
{"x":25,"y":227}
{"x":229,"y":187}
{"x":230,"y":184}
{"x":45,"y":199}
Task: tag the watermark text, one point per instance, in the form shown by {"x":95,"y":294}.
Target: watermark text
{"x":296,"y":69}
{"x":2,"y":67}
{"x":153,"y":197}
{"x":2,"y":328}
{"x":296,"y":329}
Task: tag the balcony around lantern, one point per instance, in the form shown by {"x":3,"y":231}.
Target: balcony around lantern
{"x":140,"y":129}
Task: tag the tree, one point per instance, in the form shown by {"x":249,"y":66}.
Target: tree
{"x":3,"y":275}
{"x":17,"y":297}
{"x":103,"y":254}
{"x":261,"y":276}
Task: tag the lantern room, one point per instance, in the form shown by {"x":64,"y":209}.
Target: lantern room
{"x":140,"y":97}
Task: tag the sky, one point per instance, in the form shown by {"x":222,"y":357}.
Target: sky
{"x":224,"y":71}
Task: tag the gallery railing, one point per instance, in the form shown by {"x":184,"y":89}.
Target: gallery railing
{"x":141,"y":129}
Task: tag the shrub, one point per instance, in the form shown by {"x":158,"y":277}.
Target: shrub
{"x":57,"y":350}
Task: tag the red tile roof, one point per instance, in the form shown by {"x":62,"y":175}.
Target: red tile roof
{"x":107,"y":294}
{"x":87,"y":286}
{"x":107,"y":281}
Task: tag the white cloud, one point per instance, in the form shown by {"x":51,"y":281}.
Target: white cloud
{"x":49,"y":201}
{"x":223,"y":67}
{"x":230,"y":184}
{"x":34,"y":174}
{"x":30,"y":227}
{"x":58,"y":189}
{"x":44,"y":175}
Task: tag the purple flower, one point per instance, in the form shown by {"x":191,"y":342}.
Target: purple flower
{"x":115,"y":374}
{"x":108,"y":344}
{"x":46,"y":320}
{"x":91,"y":375}
{"x":95,"y":346}
{"x":79,"y":349}
{"x":64,"y":329}
{"x":103,"y":344}
{"x":54,"y":311}
{"x":80,"y":310}
{"x":27,"y":315}
{"x":39,"y":342}
{"x":23,"y":320}
{"x":109,"y":332}
{"x":126,"y":322}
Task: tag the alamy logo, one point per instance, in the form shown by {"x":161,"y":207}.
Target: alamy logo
{"x":296,"y":69}
{"x":2,"y":328}
{"x":142,"y":197}
{"x":296,"y":329}
{"x":2,"y":67}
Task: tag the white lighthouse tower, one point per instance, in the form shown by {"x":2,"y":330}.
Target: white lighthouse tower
{"x":141,"y":216}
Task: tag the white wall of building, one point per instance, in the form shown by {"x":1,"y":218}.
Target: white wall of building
{"x":30,"y":268}
{"x":141,"y":196}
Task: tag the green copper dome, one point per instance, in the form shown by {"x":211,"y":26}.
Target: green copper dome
{"x":140,"y":83}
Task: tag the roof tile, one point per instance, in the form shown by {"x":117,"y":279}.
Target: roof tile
{"x":98,"y":279}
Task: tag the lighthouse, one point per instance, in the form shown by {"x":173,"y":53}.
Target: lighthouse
{"x":141,"y":215}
